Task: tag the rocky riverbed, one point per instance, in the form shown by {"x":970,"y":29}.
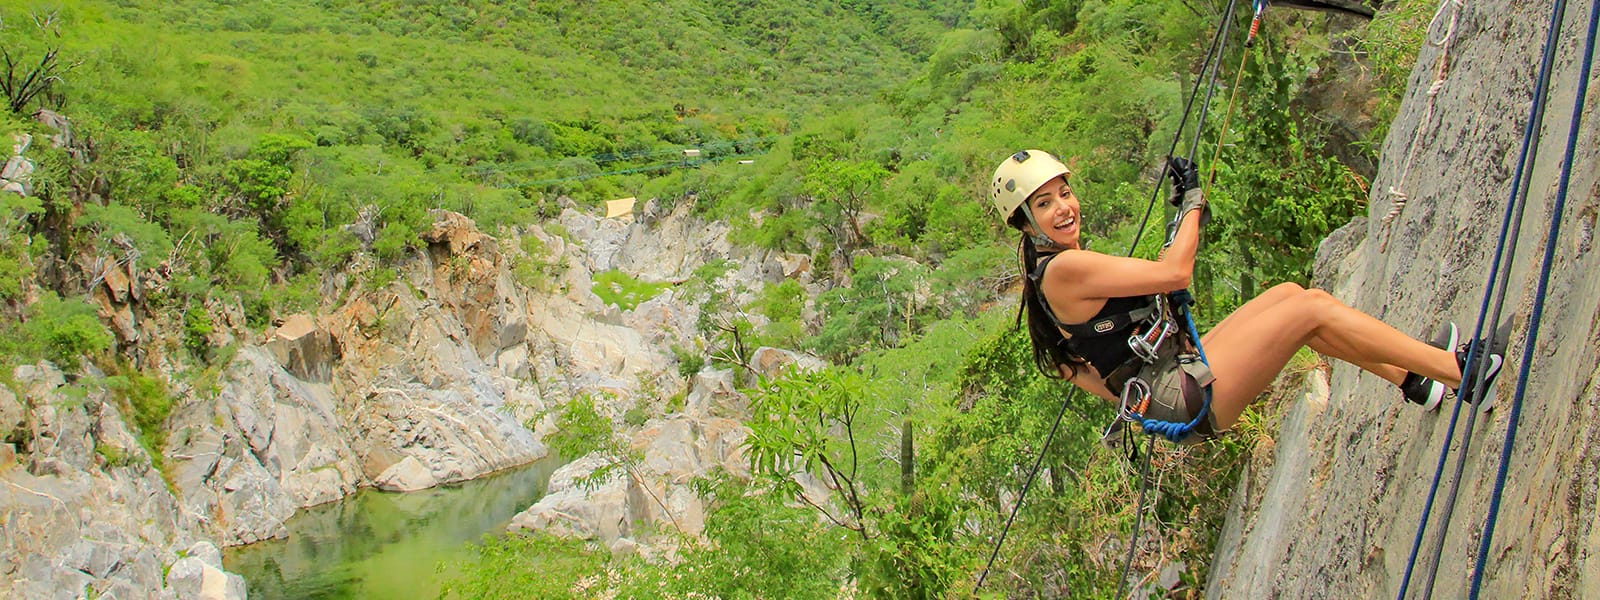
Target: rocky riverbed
{"x":441,"y":376}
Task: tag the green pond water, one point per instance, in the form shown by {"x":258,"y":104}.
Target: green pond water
{"x":377,"y":544}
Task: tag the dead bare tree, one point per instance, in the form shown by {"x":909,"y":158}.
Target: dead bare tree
{"x":24,"y":78}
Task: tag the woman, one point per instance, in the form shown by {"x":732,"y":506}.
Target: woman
{"x":1083,"y":307}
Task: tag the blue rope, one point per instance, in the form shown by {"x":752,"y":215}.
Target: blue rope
{"x":1538,"y":302}
{"x":1492,"y":294}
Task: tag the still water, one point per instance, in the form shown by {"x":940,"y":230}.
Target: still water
{"x":377,"y":544}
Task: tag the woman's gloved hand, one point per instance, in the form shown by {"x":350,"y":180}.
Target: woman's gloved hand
{"x":1186,"y":194}
{"x":1185,"y":176}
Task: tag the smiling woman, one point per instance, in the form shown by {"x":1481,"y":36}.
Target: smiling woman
{"x":1104,"y":323}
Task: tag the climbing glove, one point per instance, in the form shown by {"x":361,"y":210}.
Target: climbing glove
{"x":1186,"y":195}
{"x":1185,"y":176}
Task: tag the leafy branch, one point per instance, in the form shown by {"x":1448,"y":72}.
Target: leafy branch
{"x":581,"y":430}
{"x":795,"y":426}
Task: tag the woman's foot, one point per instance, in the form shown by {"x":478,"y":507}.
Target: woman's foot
{"x":1496,"y":359}
{"x":1422,"y":390}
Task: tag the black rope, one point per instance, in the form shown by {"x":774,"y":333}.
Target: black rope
{"x":1532,"y":335}
{"x":1138,"y":521}
{"x":1212,"y":63}
{"x":1493,"y":304}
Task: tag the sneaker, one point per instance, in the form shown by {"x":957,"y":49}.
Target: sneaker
{"x":1490,"y":370}
{"x":1422,"y":390}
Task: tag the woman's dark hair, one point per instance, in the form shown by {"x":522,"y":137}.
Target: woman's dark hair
{"x":1049,"y":346}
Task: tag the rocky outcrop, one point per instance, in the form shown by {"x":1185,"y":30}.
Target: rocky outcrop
{"x":85,"y":512}
{"x":199,"y":575}
{"x":438,"y":377}
{"x":652,"y":494}
{"x":16,"y":176}
{"x":1362,"y":461}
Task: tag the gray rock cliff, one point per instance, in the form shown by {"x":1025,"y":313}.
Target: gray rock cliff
{"x":1332,"y":514}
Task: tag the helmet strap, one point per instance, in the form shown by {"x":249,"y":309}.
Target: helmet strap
{"x":1039,"y":239}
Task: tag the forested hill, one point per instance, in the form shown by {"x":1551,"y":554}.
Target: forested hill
{"x":412,"y":188}
{"x":561,"y":60}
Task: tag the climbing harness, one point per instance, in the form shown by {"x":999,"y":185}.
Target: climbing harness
{"x":1168,"y":367}
{"x":1492,"y":306}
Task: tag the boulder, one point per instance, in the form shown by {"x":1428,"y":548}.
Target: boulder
{"x":422,"y":437}
{"x":770,"y":362}
{"x":712,"y":394}
{"x":199,"y":575}
{"x":596,"y":511}
{"x":304,"y":348}
{"x":795,"y":266}
{"x":406,"y":476}
{"x":13,"y":415}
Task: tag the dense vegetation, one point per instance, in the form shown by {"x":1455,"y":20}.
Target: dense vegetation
{"x":246,"y":152}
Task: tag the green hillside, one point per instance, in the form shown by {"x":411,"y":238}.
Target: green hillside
{"x":232,"y":145}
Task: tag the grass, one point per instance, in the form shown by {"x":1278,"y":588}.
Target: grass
{"x":623,"y":291}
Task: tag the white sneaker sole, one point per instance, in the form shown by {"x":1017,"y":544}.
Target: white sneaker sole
{"x":1436,"y":390}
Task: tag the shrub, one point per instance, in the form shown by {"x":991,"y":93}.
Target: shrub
{"x":622,"y":290}
{"x":147,"y":401}
{"x":196,"y":326}
{"x":64,"y":331}
{"x":689,"y":361}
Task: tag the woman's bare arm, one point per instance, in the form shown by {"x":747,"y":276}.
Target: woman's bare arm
{"x":1079,"y":275}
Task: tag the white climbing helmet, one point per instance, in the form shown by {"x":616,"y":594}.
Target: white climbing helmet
{"x":1019,"y":175}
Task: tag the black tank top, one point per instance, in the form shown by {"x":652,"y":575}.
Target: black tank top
{"x":1106,"y":351}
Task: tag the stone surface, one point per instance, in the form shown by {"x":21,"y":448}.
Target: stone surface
{"x":89,"y":512}
{"x":770,"y":362}
{"x":1363,"y":464}
{"x":712,"y":393}
{"x":674,"y":450}
{"x":12,"y":414}
{"x":304,"y":348}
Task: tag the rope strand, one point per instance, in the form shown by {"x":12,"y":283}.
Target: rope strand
{"x":1397,"y":198}
{"x":1532,"y":335}
{"x":1494,"y":296}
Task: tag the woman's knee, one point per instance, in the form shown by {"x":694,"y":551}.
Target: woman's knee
{"x":1319,"y":306}
{"x":1287,"y":287}
{"x":1317,"y":296}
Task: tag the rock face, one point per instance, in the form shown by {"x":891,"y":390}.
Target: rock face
{"x":85,"y":512}
{"x":1361,"y":460}
{"x":653,"y":492}
{"x":435,"y":378}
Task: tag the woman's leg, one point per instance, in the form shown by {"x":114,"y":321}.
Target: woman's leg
{"x":1248,"y":354}
{"x":1284,"y":291}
